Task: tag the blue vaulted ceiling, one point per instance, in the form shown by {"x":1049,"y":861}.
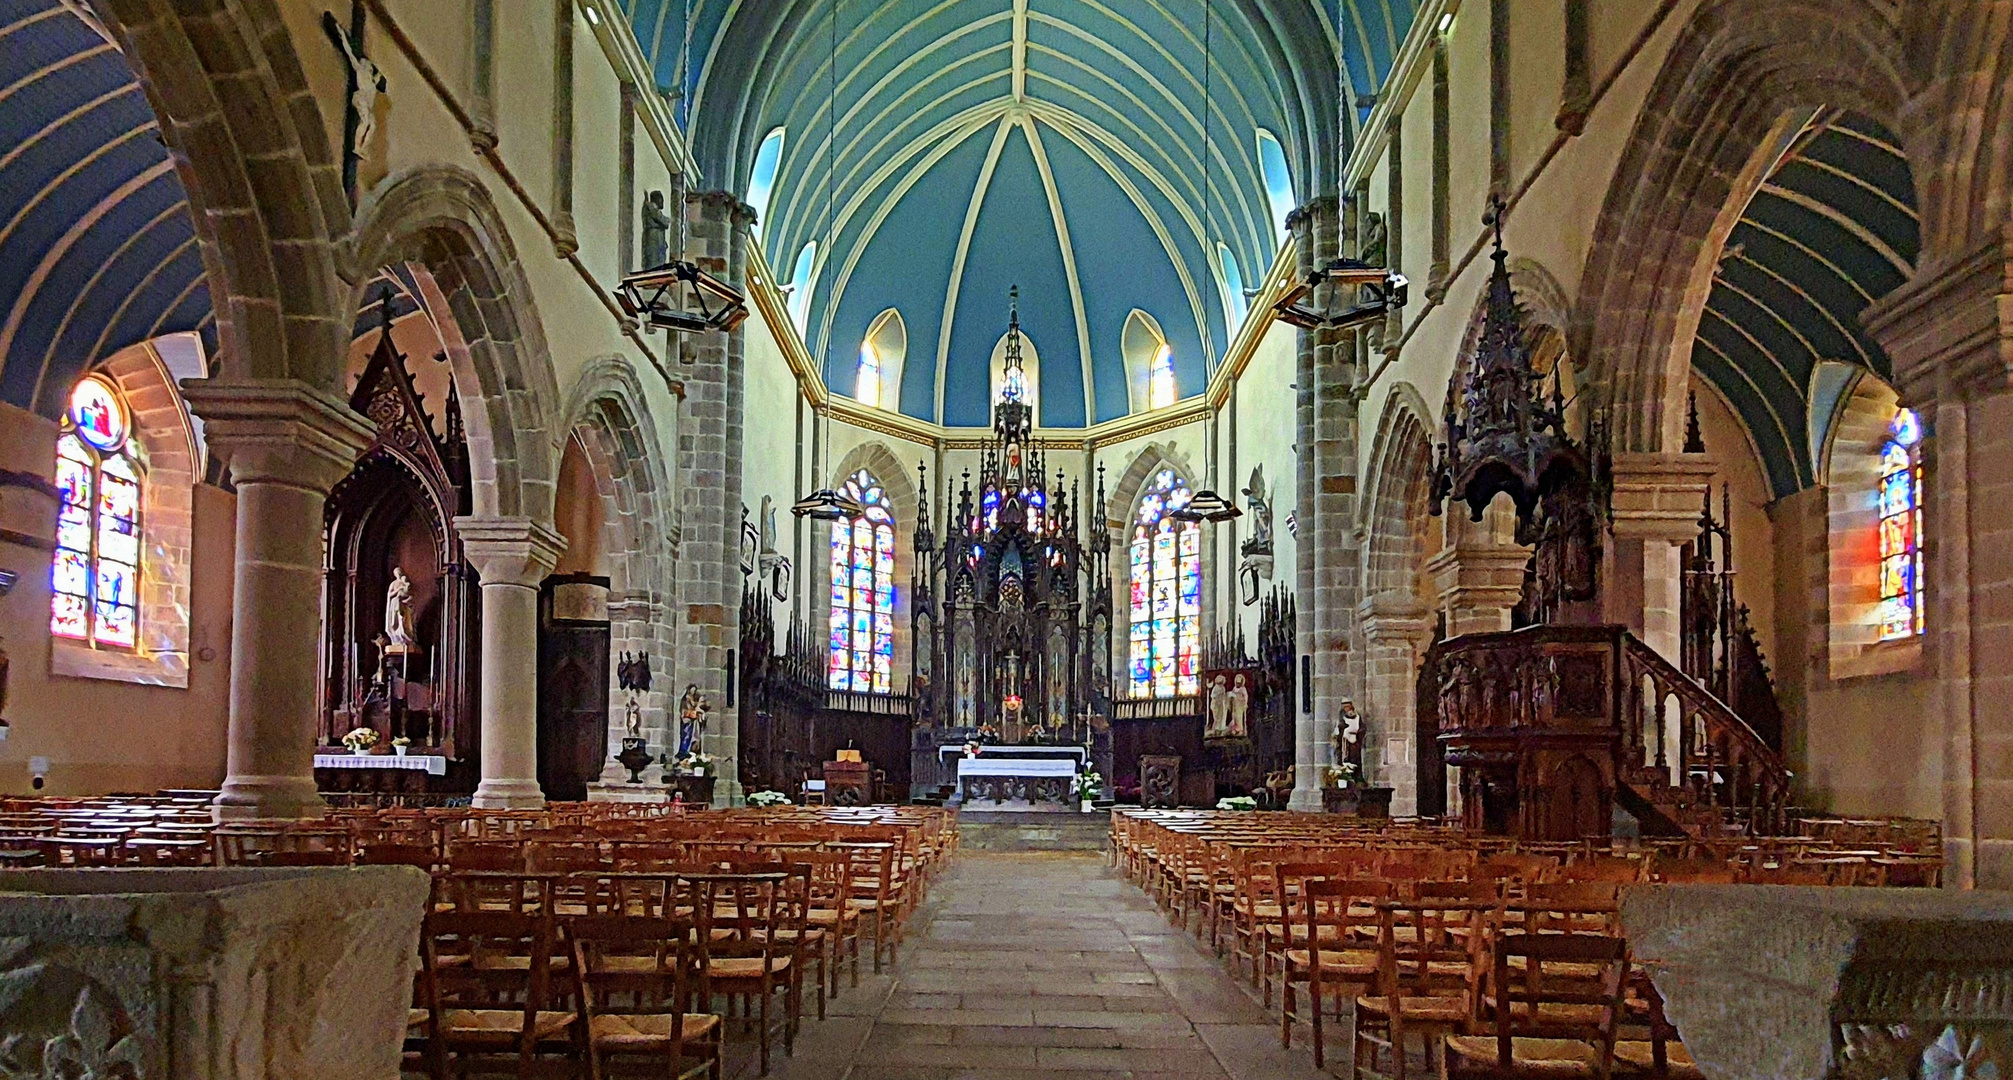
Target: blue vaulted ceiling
{"x":1057,"y":145}
{"x":1831,"y":230}
{"x":97,"y":250}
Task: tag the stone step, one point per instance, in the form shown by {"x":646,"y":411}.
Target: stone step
{"x":1004,"y":831}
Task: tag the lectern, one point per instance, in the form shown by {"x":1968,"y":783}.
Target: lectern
{"x":848,"y":783}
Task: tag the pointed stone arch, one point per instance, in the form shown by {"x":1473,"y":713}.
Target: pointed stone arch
{"x":608,"y":415}
{"x":442,"y":218}
{"x":264,"y":187}
{"x":1395,"y":539}
{"x":1735,"y":70}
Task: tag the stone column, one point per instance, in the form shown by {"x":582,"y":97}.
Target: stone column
{"x":1950,"y":336}
{"x":512,"y":555}
{"x":287,"y":444}
{"x":1396,"y":627}
{"x":1329,"y":567}
{"x":1656,"y":506}
{"x":709,"y":465}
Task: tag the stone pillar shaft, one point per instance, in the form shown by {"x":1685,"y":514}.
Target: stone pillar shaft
{"x":287,"y":444}
{"x":512,"y":555}
{"x":709,"y":462}
{"x":1657,"y":499}
{"x":1396,"y":629}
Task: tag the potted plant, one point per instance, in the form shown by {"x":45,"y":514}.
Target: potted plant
{"x":1237,"y":802}
{"x":1347,"y":774}
{"x":360,"y":740}
{"x":1085,"y":786}
{"x":400,"y":745}
{"x":765,"y":799}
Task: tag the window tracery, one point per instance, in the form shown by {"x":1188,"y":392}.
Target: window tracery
{"x":1900,"y":507}
{"x":862,"y":620}
{"x":95,"y":574}
{"x":1166,"y":594}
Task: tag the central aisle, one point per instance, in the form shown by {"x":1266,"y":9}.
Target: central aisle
{"x":1049,"y":965}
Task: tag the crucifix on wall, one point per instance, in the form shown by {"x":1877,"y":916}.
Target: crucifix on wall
{"x":364,"y":83}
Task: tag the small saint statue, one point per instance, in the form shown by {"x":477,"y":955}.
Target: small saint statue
{"x":656,"y":231}
{"x":1240,"y":704}
{"x":1219,"y":710}
{"x":692,"y":710}
{"x":398,"y":613}
{"x":632,"y":718}
{"x":1349,"y":736}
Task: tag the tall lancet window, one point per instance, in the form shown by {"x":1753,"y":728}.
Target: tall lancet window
{"x":863,"y":591}
{"x":1900,"y":500}
{"x":1166,"y":592}
{"x":95,"y":578}
{"x":1160,"y":381}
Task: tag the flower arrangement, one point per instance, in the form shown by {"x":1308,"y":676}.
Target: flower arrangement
{"x":400,"y":745}
{"x":766,"y":799}
{"x":360,"y":740}
{"x":971,"y":749}
{"x":1237,"y":802}
{"x":988,"y":733}
{"x":1087,"y":784}
{"x":1347,"y":774}
{"x":694,"y":764}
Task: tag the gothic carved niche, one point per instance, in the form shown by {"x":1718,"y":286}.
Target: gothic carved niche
{"x":393,"y":515}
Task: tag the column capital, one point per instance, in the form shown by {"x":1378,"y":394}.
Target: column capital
{"x":509,"y":550}
{"x":1394,"y":618}
{"x":1660,"y":496}
{"x":1949,"y":330}
{"x":279,"y":431}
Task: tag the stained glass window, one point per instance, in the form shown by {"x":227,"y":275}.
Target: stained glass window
{"x":1013,"y":384}
{"x":1166,"y":578}
{"x":95,"y":577}
{"x":862,"y":650}
{"x":1900,"y":506}
{"x":1160,"y":391}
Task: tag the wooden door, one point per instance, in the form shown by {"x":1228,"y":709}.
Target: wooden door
{"x":573,"y":676}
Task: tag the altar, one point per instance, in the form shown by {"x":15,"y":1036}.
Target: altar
{"x":1018,"y":777}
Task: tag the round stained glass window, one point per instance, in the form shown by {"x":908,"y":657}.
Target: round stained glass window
{"x":97,"y":414}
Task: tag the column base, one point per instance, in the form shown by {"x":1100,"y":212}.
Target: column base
{"x":508,"y":795}
{"x":268,"y":798}
{"x":1306,"y":798}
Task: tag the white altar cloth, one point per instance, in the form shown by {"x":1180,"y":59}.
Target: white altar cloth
{"x":1005,"y":766}
{"x":431,"y":764}
{"x":1021,"y":753}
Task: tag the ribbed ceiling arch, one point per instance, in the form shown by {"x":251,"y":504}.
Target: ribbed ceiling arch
{"x":1061,"y":145}
{"x":1832,"y":229}
{"x":97,"y":250}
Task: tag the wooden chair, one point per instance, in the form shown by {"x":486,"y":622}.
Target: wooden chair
{"x":872,"y":891}
{"x":488,"y":978}
{"x":744,"y":956}
{"x":638,"y":991}
{"x":1431,"y":956}
{"x":829,"y":873}
{"x":1331,"y":959}
{"x":1549,"y":1027}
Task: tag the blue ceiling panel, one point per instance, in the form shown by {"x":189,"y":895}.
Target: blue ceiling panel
{"x":1831,"y":230}
{"x":1014,"y":244}
{"x":1144,"y":207}
{"x":97,"y":250}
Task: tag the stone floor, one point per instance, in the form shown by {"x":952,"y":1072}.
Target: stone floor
{"x":1043,"y":965}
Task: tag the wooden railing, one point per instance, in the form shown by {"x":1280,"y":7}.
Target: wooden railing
{"x":1677,"y":747}
{"x":1720,"y":764}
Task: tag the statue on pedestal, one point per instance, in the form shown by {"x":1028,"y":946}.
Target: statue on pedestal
{"x":398,"y":613}
{"x":656,"y":231}
{"x":692,"y":710}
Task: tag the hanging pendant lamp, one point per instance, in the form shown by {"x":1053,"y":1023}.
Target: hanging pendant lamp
{"x":826,"y":504}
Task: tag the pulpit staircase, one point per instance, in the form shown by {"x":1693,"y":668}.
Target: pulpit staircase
{"x":1534,"y":711}
{"x":1723,"y":777}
